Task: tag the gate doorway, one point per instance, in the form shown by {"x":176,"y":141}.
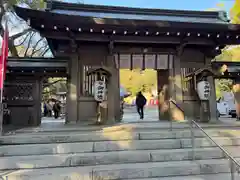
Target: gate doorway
{"x":53,"y":105}
{"x":151,"y":69}
{"x":133,"y":81}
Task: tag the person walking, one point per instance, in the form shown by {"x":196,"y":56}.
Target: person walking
{"x":56,"y":109}
{"x":140,"y":103}
{"x":45,"y":110}
{"x":49,"y":109}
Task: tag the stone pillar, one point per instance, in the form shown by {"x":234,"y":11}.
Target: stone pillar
{"x":72,"y":83}
{"x":212,"y":100}
{"x":113,"y":92}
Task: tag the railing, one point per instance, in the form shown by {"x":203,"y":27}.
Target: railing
{"x":234,"y":165}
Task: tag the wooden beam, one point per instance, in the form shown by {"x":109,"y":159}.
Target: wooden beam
{"x":88,"y":37}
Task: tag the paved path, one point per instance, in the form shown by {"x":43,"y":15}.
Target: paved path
{"x":131,"y":115}
{"x":130,"y":120}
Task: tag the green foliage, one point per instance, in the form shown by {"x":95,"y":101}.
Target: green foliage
{"x":53,"y":86}
{"x":223,"y":85}
{"x":228,"y":54}
{"x":235,"y":12}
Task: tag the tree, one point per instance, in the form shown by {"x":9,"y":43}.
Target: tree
{"x":26,"y":39}
{"x":136,"y":80}
{"x":235,"y":12}
{"x":52,"y":86}
{"x":26,"y":42}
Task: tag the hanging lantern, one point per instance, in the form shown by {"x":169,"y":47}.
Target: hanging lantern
{"x":203,"y":89}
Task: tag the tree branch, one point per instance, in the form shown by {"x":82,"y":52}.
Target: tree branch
{"x":45,"y":51}
{"x":52,"y":83}
{"x":25,"y":38}
{"x":29,"y":42}
{"x":35,"y":46}
{"x":21,"y":33}
{"x":33,"y":53}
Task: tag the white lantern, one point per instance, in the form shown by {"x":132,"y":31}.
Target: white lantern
{"x":203,"y":90}
{"x":99,"y":91}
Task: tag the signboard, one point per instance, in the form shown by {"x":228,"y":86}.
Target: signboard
{"x":99,"y":90}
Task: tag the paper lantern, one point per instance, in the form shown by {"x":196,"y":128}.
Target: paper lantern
{"x":203,"y":90}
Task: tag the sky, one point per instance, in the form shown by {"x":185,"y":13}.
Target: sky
{"x":163,"y":4}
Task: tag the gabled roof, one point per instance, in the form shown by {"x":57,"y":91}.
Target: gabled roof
{"x":112,"y":21}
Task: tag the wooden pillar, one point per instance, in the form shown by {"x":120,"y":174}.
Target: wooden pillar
{"x":113,"y":88}
{"x":117,"y":98}
{"x":113,"y":91}
{"x":177,"y":80}
{"x":236,"y":91}
{"x":37,"y":106}
{"x":163,"y":94}
{"x":72,"y":83}
{"x":212,"y":100}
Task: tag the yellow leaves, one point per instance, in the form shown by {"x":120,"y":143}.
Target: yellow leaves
{"x":231,"y":53}
{"x":235,"y":12}
{"x":223,"y":68}
{"x":136,"y":80}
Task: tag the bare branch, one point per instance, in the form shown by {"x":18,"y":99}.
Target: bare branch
{"x":36,"y":45}
{"x":45,"y":51}
{"x":52,"y":83}
{"x":34,"y":52}
{"x":29,"y":42}
{"x":21,"y":33}
{"x":24,"y":40}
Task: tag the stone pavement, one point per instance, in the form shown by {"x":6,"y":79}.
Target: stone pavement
{"x":130,"y":121}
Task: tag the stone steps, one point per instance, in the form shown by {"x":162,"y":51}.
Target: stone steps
{"x":109,"y":136}
{"x":220,"y":176}
{"x":123,"y":171}
{"x":107,"y":146}
{"x":147,"y":126}
{"x":112,"y":155}
{"x":87,"y":159}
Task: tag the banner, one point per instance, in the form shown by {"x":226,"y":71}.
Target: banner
{"x":3,"y":57}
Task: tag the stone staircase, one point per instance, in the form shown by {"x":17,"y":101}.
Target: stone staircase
{"x":113,"y":154}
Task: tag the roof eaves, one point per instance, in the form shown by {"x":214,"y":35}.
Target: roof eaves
{"x":57,"y":5}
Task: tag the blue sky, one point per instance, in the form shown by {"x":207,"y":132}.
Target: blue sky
{"x":163,"y":4}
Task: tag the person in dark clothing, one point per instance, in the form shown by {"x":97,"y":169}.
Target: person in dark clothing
{"x":56,"y":109}
{"x":45,"y":110}
{"x":140,"y":103}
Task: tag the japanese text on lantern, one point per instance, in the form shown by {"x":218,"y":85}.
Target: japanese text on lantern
{"x":100,"y":89}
